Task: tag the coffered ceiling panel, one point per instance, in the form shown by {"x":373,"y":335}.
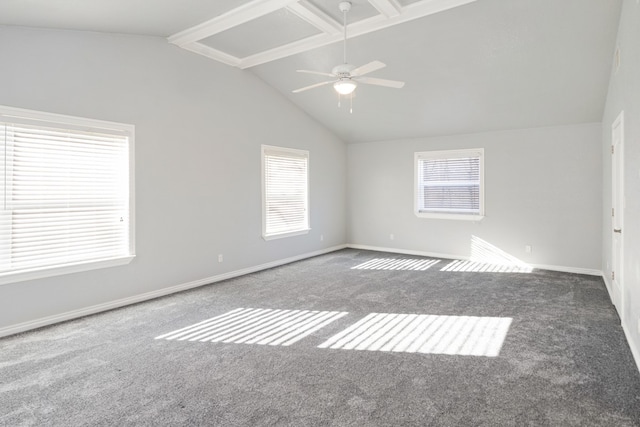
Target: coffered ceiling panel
{"x":360,"y":9}
{"x":242,"y":41}
{"x":407,"y":2}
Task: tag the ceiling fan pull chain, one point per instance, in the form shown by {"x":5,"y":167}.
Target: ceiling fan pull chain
{"x":351,"y":100}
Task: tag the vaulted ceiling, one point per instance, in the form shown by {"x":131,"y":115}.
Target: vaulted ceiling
{"x":469,"y":65}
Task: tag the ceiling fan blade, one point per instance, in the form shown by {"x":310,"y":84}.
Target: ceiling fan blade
{"x":368,"y":68}
{"x":380,"y":82}
{"x":302,"y":89}
{"x":316,"y":72}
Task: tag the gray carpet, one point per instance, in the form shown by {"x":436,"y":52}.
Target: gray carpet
{"x":564,"y":360}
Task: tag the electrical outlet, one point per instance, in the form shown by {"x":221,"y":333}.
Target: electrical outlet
{"x":391,"y":236}
{"x":527,"y":249}
{"x":220,"y":258}
{"x":321,"y":237}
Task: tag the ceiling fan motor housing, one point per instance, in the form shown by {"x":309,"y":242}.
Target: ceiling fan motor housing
{"x":343,"y":70}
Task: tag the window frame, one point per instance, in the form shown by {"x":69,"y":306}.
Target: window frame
{"x":18,"y":115}
{"x":291,"y":152}
{"x":449,"y":154}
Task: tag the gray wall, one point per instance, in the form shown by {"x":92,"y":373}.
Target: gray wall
{"x":624,"y":95}
{"x":542,"y":186}
{"x":199,"y":126}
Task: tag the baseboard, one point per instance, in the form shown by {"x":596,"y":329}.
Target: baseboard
{"x":74,"y":314}
{"x":634,"y":351}
{"x":608,"y":284}
{"x":405,"y":251}
{"x":576,"y":270}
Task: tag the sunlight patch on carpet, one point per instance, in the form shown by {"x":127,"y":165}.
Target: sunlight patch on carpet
{"x":427,"y":334}
{"x":483,"y":267}
{"x":256,"y":326}
{"x":397,"y":264}
{"x":488,"y":258}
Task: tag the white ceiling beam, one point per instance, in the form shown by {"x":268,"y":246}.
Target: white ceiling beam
{"x":315,"y":17}
{"x":388,"y":8}
{"x":240,"y":15}
{"x":212,"y":53}
{"x":289,"y":49}
{"x":409,"y":13}
{"x":365,"y":26}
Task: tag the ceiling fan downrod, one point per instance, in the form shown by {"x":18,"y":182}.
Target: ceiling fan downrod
{"x":345,"y":7}
{"x":344,"y":76}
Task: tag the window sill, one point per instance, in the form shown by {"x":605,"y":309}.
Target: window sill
{"x":41,"y":273}
{"x":450,"y":216}
{"x":285,"y":234}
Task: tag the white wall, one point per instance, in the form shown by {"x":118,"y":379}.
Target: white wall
{"x":624,"y":95}
{"x":542,"y":186}
{"x":199,"y":126}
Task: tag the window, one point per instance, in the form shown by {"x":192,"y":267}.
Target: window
{"x":66,"y":194}
{"x":449,"y":184}
{"x":285,"y":192}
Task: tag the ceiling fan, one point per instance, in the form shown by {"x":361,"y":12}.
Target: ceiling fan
{"x":346,"y":76}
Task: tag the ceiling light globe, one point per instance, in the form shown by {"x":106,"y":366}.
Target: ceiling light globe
{"x":345,"y":87}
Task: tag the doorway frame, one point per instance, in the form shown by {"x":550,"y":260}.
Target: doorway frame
{"x":617,"y":217}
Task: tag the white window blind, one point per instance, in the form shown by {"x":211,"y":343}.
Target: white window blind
{"x":65,"y":195}
{"x":285,"y":191}
{"x":449,"y":184}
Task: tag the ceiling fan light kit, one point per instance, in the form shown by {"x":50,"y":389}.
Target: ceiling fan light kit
{"x":345,"y":87}
{"x":347,"y":76}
